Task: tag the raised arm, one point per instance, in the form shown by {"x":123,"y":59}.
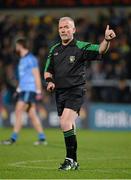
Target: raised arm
{"x":109,"y":35}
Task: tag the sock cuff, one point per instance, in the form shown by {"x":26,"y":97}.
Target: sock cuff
{"x":41,"y":136}
{"x":14,"y":136}
{"x":71,"y":132}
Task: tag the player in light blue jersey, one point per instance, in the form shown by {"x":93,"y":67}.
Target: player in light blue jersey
{"x":29,"y":89}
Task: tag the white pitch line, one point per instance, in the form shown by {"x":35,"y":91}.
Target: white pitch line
{"x":23,"y":164}
{"x":34,"y":161}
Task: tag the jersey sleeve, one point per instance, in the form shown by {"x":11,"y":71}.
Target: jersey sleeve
{"x":49,"y":63}
{"x":33,"y":62}
{"x":90,"y":51}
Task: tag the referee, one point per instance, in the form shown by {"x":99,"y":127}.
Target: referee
{"x":64,"y":72}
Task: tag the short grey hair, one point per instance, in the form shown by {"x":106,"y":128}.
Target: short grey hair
{"x":67,"y":18}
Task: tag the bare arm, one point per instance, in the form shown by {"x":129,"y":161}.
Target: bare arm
{"x":104,"y":46}
{"x":109,"y":35}
{"x":47,"y":75}
{"x":36,"y":74}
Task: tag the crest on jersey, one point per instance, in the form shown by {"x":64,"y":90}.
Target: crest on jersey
{"x":72,"y":59}
{"x":55,"y":54}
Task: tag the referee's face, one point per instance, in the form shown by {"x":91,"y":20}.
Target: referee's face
{"x":66,"y":30}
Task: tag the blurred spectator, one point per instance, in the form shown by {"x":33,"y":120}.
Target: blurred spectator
{"x":122,"y":92}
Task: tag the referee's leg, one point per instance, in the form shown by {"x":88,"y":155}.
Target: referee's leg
{"x":67,"y":123}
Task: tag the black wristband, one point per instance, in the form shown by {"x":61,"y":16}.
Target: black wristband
{"x":108,"y":40}
{"x":49,"y":79}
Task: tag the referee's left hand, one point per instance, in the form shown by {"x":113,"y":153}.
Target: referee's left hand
{"x":50,"y":86}
{"x":109,"y":34}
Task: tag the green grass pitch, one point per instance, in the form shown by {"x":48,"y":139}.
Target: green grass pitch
{"x":102,"y":155}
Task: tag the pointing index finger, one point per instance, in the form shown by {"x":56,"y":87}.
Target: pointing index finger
{"x":107,"y":27}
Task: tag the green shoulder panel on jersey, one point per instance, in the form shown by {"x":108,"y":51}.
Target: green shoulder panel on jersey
{"x":49,"y":56}
{"x":87,"y":46}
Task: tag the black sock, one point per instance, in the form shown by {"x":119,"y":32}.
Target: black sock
{"x":71,"y":144}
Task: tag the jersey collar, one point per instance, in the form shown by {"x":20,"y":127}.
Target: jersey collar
{"x":72,"y":43}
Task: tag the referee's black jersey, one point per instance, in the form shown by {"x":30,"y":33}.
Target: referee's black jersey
{"x":66,"y":63}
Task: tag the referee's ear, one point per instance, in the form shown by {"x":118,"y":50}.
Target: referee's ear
{"x":74,"y":30}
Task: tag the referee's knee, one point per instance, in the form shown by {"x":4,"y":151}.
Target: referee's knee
{"x":65,"y":125}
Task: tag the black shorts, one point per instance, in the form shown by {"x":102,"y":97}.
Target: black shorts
{"x":27,"y":97}
{"x":71,"y":98}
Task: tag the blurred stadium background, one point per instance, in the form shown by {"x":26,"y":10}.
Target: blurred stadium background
{"x":108,"y":100}
{"x":108,"y":81}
